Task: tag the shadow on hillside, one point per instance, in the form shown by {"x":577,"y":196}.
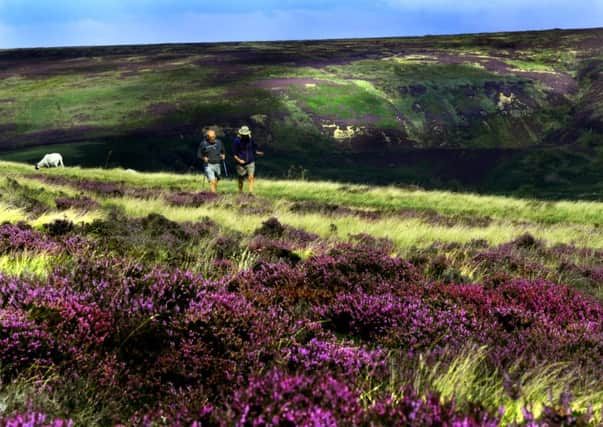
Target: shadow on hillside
{"x":546,"y":174}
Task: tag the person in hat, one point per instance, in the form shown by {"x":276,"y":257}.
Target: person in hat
{"x":211,"y":153}
{"x":245,"y":151}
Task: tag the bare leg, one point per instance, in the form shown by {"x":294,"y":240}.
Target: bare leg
{"x":250,"y":179}
{"x":213,"y":185}
{"x":240,"y":184}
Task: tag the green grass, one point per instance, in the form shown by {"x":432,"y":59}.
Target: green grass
{"x":404,"y":73}
{"x":525,"y":65}
{"x":392,"y":198}
{"x":77,"y":217}
{"x":347,"y":101}
{"x":11,"y":214}
{"x":405,"y":233}
{"x":65,"y":101}
{"x":467,"y":379}
{"x":374,"y":197}
{"x":27,"y":264}
{"x":559,"y":222}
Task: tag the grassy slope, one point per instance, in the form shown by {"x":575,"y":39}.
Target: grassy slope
{"x":556,"y":222}
{"x":143,"y":107}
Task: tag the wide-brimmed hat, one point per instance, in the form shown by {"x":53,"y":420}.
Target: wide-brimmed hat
{"x":244,"y":131}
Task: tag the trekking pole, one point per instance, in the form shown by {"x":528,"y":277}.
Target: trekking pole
{"x":204,"y":173}
{"x":225,"y":168}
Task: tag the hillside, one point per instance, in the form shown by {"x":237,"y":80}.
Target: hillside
{"x":140,"y":299}
{"x":499,"y":113}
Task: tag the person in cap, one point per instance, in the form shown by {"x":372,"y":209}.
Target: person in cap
{"x":211,"y":153}
{"x":245,"y":151}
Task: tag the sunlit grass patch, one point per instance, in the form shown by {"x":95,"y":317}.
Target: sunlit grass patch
{"x":346,"y":101}
{"x":412,"y":58}
{"x":155,"y":179}
{"x":27,"y":264}
{"x":63,"y":101}
{"x":11,"y":214}
{"x":392,"y":198}
{"x":12,"y":209}
{"x":405,"y":232}
{"x":19,"y":187}
{"x":524,"y":65}
{"x":467,"y":378}
{"x":75,"y":216}
{"x":388,"y":198}
{"x":54,"y":190}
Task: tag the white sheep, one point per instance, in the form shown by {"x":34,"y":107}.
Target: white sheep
{"x":53,"y":160}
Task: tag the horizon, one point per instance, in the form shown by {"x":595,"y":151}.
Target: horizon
{"x":66,"y":23}
{"x":301,"y":40}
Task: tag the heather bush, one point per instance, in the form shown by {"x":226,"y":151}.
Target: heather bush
{"x":79,"y":202}
{"x":34,"y":201}
{"x":279,"y":398}
{"x":311,"y":335}
{"x":271,"y":228}
{"x":189,"y":199}
{"x":524,"y":257}
{"x":153,"y":238}
{"x":245,"y":204}
{"x":140,"y":330}
{"x":103,"y":188}
{"x":527,"y":241}
{"x":411,"y":409}
{"x":378,"y":244}
{"x":283,"y":236}
{"x":558,"y":413}
{"x":273,"y":250}
{"x":286,"y":328}
{"x":24,"y":343}
{"x":431,"y":216}
{"x":226,"y":245}
{"x":340,"y":359}
{"x":33,"y":419}
{"x":408,"y":324}
{"x":333,"y":210}
{"x":299,"y":236}
{"x":59,"y":227}
{"x":98,"y":187}
{"x":538,"y":319}
{"x":21,"y":236}
{"x":349,"y":267}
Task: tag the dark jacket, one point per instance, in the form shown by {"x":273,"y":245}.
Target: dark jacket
{"x":211,"y":151}
{"x":245,"y":150}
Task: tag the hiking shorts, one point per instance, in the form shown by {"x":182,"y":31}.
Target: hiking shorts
{"x":212,"y":171}
{"x":248,"y":169}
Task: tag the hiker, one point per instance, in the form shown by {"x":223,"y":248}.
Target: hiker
{"x":211,"y":153}
{"x":245,"y":151}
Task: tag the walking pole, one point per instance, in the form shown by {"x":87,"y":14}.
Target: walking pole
{"x":205,"y":180}
{"x":225,"y":168}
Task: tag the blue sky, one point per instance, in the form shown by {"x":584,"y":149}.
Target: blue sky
{"x":29,"y":23}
